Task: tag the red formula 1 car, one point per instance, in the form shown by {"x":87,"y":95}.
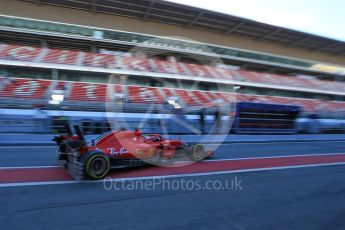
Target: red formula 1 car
{"x":118,"y":149}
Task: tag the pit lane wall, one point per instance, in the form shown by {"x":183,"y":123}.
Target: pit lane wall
{"x":52,"y":121}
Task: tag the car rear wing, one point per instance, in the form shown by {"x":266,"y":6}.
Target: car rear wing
{"x":69,"y":135}
{"x":79,"y":133}
{"x":68,"y":130}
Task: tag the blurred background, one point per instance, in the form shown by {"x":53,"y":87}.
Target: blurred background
{"x":118,"y":67}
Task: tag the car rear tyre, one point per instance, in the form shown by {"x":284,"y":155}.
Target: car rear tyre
{"x":97,"y":166}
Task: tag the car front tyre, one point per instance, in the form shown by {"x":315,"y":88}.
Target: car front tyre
{"x":197,"y":153}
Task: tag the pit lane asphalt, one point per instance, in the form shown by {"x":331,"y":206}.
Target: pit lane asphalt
{"x":19,"y":156}
{"x":303,"y":198}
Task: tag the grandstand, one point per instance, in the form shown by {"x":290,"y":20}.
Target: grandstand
{"x":41,"y":55}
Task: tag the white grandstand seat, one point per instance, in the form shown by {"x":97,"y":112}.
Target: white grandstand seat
{"x":88,"y":92}
{"x":81,"y":92}
{"x":61,"y":57}
{"x":98,"y":60}
{"x":34,"y":54}
{"x":25,"y":88}
{"x":20,"y":53}
{"x":168,"y":67}
{"x":138,"y":94}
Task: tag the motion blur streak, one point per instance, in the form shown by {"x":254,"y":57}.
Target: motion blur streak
{"x":8,"y":176}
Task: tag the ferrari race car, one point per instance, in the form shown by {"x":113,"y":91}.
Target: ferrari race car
{"x":118,"y":149}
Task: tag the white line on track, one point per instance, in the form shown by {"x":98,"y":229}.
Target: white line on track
{"x":277,"y":142}
{"x":279,"y":156}
{"x":166,"y":176}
